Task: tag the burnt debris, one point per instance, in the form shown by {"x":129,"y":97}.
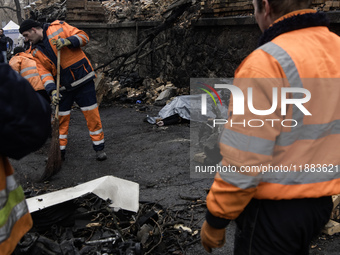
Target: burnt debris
{"x":87,"y":225}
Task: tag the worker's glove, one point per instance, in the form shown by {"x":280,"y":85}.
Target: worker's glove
{"x":54,"y":98}
{"x":212,"y":237}
{"x":62,"y":42}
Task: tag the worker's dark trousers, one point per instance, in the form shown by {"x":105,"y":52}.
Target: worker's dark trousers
{"x":270,"y":227}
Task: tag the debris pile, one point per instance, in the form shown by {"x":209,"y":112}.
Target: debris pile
{"x":133,"y":89}
{"x":333,"y":225}
{"x":112,"y":11}
{"x":118,"y":11}
{"x":115,"y":11}
{"x":87,"y":225}
{"x":145,"y":10}
{"x":223,"y":8}
{"x":46,"y":10}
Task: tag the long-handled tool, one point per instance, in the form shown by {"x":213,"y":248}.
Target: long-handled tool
{"x":53,"y":164}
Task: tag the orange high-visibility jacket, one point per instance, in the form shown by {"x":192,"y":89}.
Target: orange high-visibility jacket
{"x":25,"y":65}
{"x":17,"y":220}
{"x":76,"y":68}
{"x":283,"y":156}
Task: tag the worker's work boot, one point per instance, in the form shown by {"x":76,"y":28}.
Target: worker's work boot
{"x":63,"y":152}
{"x":101,"y":155}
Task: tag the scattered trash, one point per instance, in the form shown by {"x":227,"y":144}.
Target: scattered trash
{"x":182,"y":227}
{"x":122,"y":194}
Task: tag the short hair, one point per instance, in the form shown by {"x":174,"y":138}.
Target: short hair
{"x":282,"y":7}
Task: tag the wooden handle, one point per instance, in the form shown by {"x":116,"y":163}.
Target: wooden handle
{"x":58,"y":84}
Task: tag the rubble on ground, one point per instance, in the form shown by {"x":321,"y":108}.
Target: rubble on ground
{"x":134,"y":89}
{"x":88,"y":225}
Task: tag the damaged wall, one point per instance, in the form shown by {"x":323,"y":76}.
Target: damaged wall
{"x":196,"y":46}
{"x":213,"y":47}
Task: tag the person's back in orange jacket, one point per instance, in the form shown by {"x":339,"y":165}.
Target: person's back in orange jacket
{"x":24,"y":63}
{"x":287,"y":160}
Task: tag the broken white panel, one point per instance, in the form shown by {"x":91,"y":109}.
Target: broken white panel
{"x":122,"y":193}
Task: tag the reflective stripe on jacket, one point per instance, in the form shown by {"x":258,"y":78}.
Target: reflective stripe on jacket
{"x":76,"y":68}
{"x":25,"y":65}
{"x":15,"y":219}
{"x":25,"y":123}
{"x":297,"y":159}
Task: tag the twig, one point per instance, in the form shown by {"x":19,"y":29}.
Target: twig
{"x":198,"y":221}
{"x":160,"y":239}
{"x":180,"y":246}
{"x":116,"y":223}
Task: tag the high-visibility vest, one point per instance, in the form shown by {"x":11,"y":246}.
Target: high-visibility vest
{"x":25,"y":65}
{"x":76,"y":68}
{"x":298,"y":158}
{"x":15,"y":220}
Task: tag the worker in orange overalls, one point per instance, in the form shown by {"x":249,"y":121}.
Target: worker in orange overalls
{"x":24,"y":63}
{"x":76,"y":78}
{"x":24,"y":127}
{"x":286,"y":162}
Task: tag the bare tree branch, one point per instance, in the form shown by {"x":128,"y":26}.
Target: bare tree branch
{"x":7,"y":7}
{"x":173,"y":15}
{"x":17,"y":10}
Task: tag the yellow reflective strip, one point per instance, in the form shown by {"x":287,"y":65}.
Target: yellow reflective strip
{"x":14,"y":197}
{"x":19,"y":211}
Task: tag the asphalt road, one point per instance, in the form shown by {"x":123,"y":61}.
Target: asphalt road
{"x":155,"y":157}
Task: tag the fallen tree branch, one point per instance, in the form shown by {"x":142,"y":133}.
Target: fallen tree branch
{"x":176,"y":12}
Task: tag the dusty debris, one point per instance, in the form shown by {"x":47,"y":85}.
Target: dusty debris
{"x":88,"y":225}
{"x":46,"y":10}
{"x":333,"y":226}
{"x":116,"y":11}
{"x":138,"y":90}
{"x":113,"y":11}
